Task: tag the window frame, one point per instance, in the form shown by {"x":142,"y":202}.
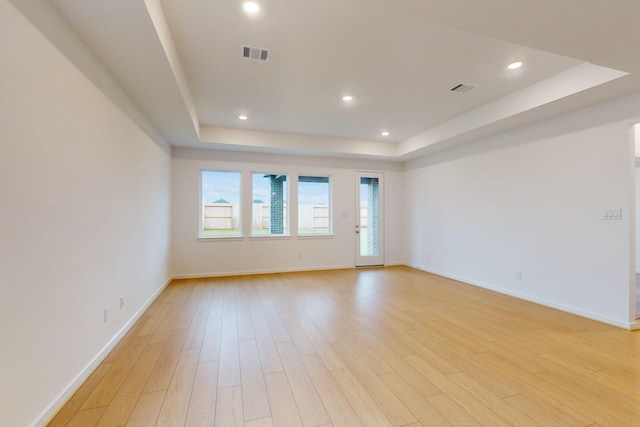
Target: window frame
{"x":329,"y":178}
{"x":286,"y":208}
{"x":201,"y":211}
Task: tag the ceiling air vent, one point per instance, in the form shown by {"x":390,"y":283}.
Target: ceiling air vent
{"x":258,"y":53}
{"x":461,"y":88}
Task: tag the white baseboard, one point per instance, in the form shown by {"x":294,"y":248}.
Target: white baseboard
{"x":66,"y":394}
{"x":562,"y":307}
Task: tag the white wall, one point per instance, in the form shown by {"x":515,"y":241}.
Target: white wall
{"x":637,"y":218}
{"x":531,"y":200}
{"x":84,"y":218}
{"x":193,"y":257}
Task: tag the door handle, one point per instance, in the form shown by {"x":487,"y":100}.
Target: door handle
{"x":357,"y":229}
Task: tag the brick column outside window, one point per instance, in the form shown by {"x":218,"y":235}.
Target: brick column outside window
{"x":277,"y":203}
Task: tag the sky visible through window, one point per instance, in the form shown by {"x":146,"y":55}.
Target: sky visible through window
{"x":310,"y":193}
{"x":261,"y":189}
{"x":218,"y":185}
{"x":364,"y":195}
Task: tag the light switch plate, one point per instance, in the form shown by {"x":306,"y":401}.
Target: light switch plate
{"x":612,"y":214}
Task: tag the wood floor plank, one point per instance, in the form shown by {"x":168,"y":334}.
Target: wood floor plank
{"x":386,"y":334}
{"x":167,"y":325}
{"x":474,"y":407}
{"x":368,"y":411}
{"x":626,"y":396}
{"x":211,"y":340}
{"x":123,"y":347}
{"x":297,"y":334}
{"x":284,"y":410}
{"x":393,"y":408}
{"x":322,"y":347}
{"x":163,"y":371}
{"x":243,"y":315}
{"x":278,"y":331}
{"x":521,"y":358}
{"x":269,"y":357}
{"x":474,"y":367}
{"x":334,"y":401}
{"x":185,"y":318}
{"x":254,"y":391}
{"x":417,"y":404}
{"x":609,"y":411}
{"x":229,"y":367}
{"x":146,"y":411}
{"x":369,"y":355}
{"x":452,"y":412}
{"x":536,"y":412}
{"x":73,"y":404}
{"x":87,"y":417}
{"x":229,"y":304}
{"x":104,"y":392}
{"x":229,"y":407}
{"x":151,"y":322}
{"x":119,"y":410}
{"x":195,"y":334}
{"x":492,"y":401}
{"x":309,"y":403}
{"x":176,"y":402}
{"x":426,"y":348}
{"x":202,"y":404}
{"x":400,"y":366}
{"x":533,"y":388}
{"x":383,"y":346}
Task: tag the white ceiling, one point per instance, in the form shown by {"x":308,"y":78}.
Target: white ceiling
{"x":181,"y":61}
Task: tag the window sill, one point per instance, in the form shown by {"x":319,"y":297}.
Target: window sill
{"x":315,"y":236}
{"x":271,"y":237}
{"x":220,"y":239}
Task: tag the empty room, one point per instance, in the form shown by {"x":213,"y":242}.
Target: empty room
{"x":334,"y":213}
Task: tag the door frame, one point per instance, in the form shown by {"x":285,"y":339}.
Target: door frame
{"x":367,"y":260}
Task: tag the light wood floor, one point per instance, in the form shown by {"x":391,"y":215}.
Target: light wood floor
{"x":380,"y":347}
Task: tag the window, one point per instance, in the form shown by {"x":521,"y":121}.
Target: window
{"x":314,"y":205}
{"x":220,"y":213}
{"x":270,"y":193}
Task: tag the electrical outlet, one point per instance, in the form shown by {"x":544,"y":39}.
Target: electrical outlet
{"x":107,"y":314}
{"x":612,"y":214}
{"x":518,"y":274}
{"x":121,"y":301}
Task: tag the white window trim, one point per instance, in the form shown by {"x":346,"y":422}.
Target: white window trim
{"x":330,"y":234}
{"x":287,"y":226}
{"x":202,"y":238}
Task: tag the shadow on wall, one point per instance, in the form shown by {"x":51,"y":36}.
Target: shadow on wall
{"x":571,"y":122}
{"x":46,"y":19}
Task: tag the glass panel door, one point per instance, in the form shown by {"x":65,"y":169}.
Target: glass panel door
{"x":369,"y":225}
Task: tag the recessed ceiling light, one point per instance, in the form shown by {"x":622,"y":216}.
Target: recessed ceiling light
{"x":347,"y":98}
{"x":251,"y":7}
{"x":514,"y":65}
{"x":243,"y":117}
{"x":385,"y":133}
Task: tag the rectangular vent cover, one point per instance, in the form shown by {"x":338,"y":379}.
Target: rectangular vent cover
{"x":461,"y":88}
{"x":258,"y":53}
